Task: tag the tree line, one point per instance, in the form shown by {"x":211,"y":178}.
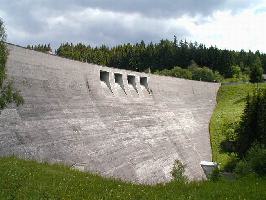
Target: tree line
{"x":165,"y":55}
{"x":45,"y":48}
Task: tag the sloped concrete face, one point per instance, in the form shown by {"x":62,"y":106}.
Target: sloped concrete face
{"x":72,"y":116}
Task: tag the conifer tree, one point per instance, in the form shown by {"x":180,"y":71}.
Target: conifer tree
{"x":164,"y":55}
{"x":256,"y":71}
{"x":252,"y":127}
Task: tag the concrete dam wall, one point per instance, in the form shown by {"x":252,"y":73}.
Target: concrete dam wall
{"x":118,"y":123}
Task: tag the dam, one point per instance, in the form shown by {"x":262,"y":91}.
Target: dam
{"x":118,"y":123}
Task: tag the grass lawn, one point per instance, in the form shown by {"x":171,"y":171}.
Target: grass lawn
{"x":20,"y":179}
{"x":230,"y":106}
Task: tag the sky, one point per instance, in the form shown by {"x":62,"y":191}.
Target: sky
{"x":228,"y":24}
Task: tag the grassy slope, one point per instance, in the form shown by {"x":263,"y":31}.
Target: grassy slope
{"x":21,"y":179}
{"x":231,"y":103}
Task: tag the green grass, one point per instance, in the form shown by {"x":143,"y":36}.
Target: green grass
{"x":20,"y":179}
{"x":230,"y":106}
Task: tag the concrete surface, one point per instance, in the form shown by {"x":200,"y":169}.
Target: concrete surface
{"x":120,"y":128}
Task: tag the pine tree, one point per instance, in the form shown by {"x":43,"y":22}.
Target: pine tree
{"x":256,"y":71}
{"x":163,"y":55}
{"x":252,"y":127}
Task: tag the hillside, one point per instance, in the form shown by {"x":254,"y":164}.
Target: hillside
{"x":230,"y":106}
{"x":21,"y":179}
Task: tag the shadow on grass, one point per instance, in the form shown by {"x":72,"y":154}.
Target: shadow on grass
{"x":241,"y":100}
{"x":227,"y":146}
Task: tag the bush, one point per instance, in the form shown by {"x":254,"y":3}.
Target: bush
{"x":193,"y":73}
{"x":231,"y":136}
{"x":255,"y":162}
{"x":242,"y":168}
{"x":202,"y":74}
{"x":177,"y":72}
{"x":236,"y":71}
{"x":178,"y":172}
{"x":231,"y":163}
{"x":256,"y":158}
{"x":218,"y":77}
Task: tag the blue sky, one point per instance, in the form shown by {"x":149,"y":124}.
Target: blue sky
{"x":231,"y":24}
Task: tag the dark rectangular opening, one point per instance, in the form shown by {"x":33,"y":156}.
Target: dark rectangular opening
{"x":119,"y":81}
{"x":118,"y":78}
{"x":131,"y":80}
{"x":144,"y":81}
{"x":104,"y":76}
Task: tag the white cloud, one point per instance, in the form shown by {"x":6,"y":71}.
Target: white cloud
{"x":244,"y":30}
{"x":96,"y":27}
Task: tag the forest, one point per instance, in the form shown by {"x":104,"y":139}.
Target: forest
{"x":165,"y":55}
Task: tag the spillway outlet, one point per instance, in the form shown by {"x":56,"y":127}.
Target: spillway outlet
{"x":144,"y":83}
{"x":132,"y":82}
{"x":105,"y":78}
{"x":119,"y":81}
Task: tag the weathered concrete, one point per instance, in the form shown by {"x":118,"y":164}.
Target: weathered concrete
{"x":118,"y":128}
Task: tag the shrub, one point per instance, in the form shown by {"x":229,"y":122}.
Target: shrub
{"x":178,"y":172}
{"x":218,"y":77}
{"x":204,"y":74}
{"x":231,"y":136}
{"x":193,"y":73}
{"x":255,"y":161}
{"x":231,"y":163}
{"x":177,"y":72}
{"x":236,"y":71}
{"x":181,"y":73}
{"x":242,"y":168}
{"x":256,"y":158}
